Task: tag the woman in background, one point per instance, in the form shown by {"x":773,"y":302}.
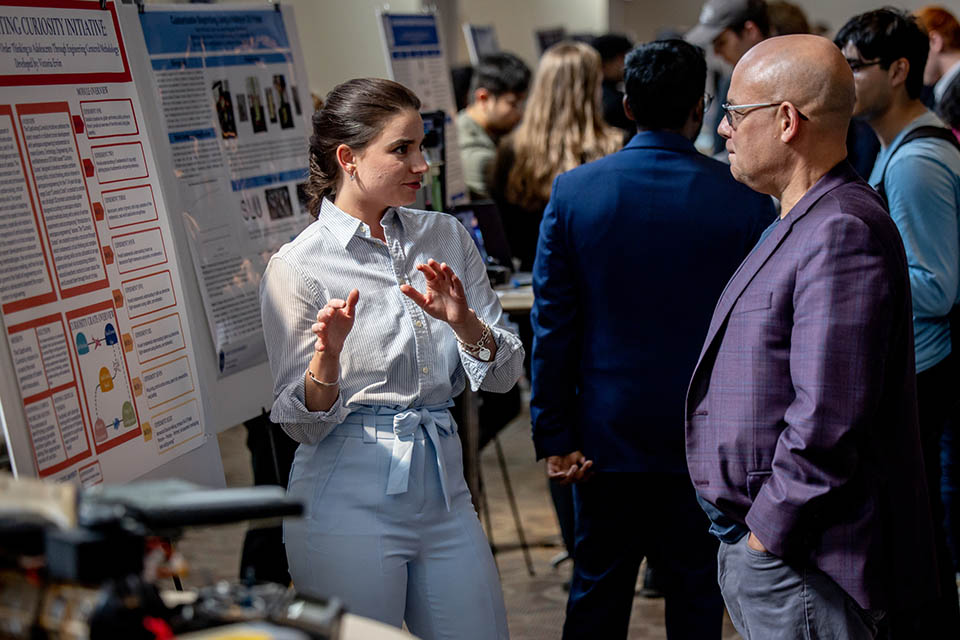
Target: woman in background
{"x":562,"y":128}
{"x":370,"y":333}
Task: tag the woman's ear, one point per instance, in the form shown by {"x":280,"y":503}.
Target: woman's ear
{"x":347,"y":159}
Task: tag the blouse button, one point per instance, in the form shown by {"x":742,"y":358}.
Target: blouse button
{"x":426,"y":369}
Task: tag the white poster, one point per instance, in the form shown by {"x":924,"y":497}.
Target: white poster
{"x":415,"y":59}
{"x":90,"y":284}
{"x":237,"y":117}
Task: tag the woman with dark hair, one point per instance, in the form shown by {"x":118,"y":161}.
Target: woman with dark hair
{"x":370,"y":332}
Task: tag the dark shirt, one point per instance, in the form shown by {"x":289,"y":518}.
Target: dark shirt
{"x":613,"y":111}
{"x":520,"y":224}
{"x":948,"y":107}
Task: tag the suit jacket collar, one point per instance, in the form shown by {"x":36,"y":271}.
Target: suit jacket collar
{"x":660,"y":140}
{"x":839,"y":175}
{"x":952,"y":75}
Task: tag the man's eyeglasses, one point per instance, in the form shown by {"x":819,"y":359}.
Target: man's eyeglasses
{"x":742,"y":110}
{"x":857,"y":65}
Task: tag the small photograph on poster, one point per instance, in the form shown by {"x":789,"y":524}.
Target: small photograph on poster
{"x":257,"y":117}
{"x":296,"y":99}
{"x":221,"y":97}
{"x":242,"y":107}
{"x":250,"y":207}
{"x":278,"y":203}
{"x":303,"y":198}
{"x":284,"y":112}
{"x":271,"y":105}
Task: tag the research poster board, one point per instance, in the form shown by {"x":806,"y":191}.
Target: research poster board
{"x":231,"y":95}
{"x":415,"y":58}
{"x":93,"y":312}
{"x":481,"y":41}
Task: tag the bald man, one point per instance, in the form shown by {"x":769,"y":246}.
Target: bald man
{"x":801,"y":415}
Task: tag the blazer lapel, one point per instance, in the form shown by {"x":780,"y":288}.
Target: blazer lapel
{"x":840,"y":174}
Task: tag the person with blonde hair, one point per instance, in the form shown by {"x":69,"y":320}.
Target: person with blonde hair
{"x":562,"y":128}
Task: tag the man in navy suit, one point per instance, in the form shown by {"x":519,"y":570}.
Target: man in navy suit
{"x":801,"y":416}
{"x":634,"y":250}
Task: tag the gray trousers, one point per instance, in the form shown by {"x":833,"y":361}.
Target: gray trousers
{"x":769,"y":600}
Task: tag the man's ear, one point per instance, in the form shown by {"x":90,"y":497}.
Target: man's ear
{"x":789,"y":117}
{"x":936,"y":42}
{"x":898,"y":72}
{"x":699,"y":111}
{"x":627,"y":110}
{"x":751,"y":32}
{"x":481,"y":95}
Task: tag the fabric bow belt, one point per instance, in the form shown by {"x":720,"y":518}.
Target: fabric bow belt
{"x":405,"y":425}
{"x":435,"y":421}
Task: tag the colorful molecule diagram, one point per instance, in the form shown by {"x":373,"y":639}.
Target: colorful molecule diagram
{"x":109,"y":338}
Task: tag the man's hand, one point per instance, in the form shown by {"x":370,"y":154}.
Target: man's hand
{"x":568,"y":469}
{"x":754,"y":543}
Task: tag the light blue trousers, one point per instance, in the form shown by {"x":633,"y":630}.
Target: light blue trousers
{"x":378,"y":533}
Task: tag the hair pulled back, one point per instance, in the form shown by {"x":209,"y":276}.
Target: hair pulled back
{"x":353,"y":114}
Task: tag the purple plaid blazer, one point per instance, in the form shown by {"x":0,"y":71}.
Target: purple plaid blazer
{"x":801,"y":415}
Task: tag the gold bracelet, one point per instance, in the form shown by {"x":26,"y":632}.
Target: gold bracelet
{"x":321,"y":382}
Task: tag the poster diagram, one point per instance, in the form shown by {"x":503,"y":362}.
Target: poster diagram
{"x":105,"y":376}
{"x":235,"y":114}
{"x":90,"y":286}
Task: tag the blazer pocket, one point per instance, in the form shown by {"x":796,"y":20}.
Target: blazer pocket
{"x":753,"y":302}
{"x":755,"y":480}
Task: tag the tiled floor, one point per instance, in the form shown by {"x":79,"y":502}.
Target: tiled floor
{"x":535,"y":605}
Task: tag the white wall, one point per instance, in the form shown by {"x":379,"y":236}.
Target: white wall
{"x":516,"y":20}
{"x":340,"y":38}
{"x":641,"y":19}
{"x":835,"y":14}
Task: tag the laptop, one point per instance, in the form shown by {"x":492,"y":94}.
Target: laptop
{"x":482,"y":220}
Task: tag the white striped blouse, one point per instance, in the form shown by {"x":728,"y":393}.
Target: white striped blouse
{"x":395,"y":355}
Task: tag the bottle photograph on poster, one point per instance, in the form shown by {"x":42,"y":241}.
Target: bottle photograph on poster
{"x":224,"y":106}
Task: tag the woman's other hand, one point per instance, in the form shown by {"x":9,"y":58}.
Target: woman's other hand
{"x":333,"y":324}
{"x":445,"y":298}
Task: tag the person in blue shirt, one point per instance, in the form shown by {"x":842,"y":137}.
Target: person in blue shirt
{"x":887,"y":51}
{"x":634,"y":250}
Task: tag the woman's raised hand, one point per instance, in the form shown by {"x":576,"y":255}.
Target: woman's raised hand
{"x":444,"y":298}
{"x":334,"y":323}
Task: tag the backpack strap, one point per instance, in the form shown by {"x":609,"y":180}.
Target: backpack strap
{"x":953,"y":317}
{"x":920,"y":132}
